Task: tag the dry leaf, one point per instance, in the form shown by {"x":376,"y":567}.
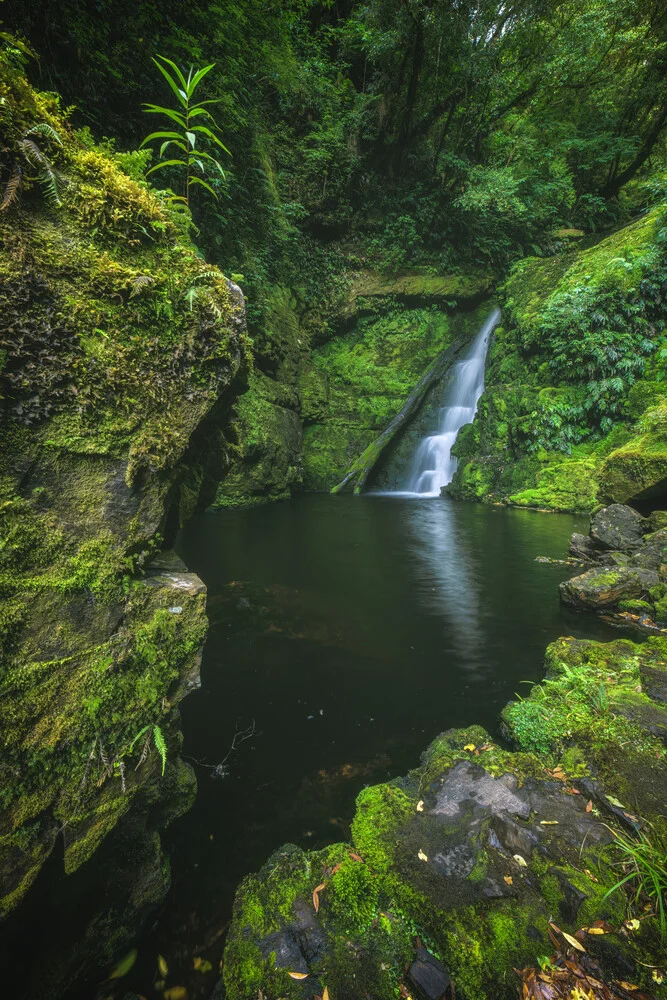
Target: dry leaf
{"x":658,"y":976}
{"x":632,"y":925}
{"x":522,"y":863}
{"x":422,"y":856}
{"x":298,"y":975}
{"x":316,"y":895}
{"x":589,"y":805}
{"x":420,"y":806}
{"x":470,"y":746}
{"x":573,"y":941}
{"x":590,"y":875}
{"x":595,"y":930}
{"x":336,"y":868}
{"x":325,"y":995}
{"x":548,"y":822}
{"x":508,"y":879}
{"x":356,"y":857}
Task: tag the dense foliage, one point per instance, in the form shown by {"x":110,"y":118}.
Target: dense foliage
{"x":422,"y":131}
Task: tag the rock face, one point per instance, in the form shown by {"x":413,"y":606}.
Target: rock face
{"x":108,"y":374}
{"x":455,"y":871}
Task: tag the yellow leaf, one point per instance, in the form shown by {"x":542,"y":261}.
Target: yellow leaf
{"x":591,"y":875}
{"x":508,"y":879}
{"x":522,"y":863}
{"x":420,"y":806}
{"x":422,"y":856}
{"x":325,"y":995}
{"x":125,"y":964}
{"x":548,"y":822}
{"x":176,"y":993}
{"x":470,"y":746}
{"x":298,"y":975}
{"x":595,"y":930}
{"x":163,"y":967}
{"x":657,"y":976}
{"x":573,"y":941}
{"x":632,"y":925}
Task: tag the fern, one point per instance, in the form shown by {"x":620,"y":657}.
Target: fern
{"x":161,"y":746}
{"x":12,"y":189}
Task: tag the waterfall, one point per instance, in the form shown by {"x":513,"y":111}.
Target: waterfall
{"x":433,"y":465}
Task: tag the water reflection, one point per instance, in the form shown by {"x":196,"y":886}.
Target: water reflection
{"x":449,"y":582}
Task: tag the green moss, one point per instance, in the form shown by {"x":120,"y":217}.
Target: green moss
{"x":381,"y":810}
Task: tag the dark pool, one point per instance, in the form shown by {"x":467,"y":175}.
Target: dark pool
{"x":350,"y":630}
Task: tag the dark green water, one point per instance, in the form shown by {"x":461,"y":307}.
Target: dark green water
{"x":352,"y":631}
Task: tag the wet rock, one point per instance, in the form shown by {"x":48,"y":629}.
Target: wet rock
{"x":652,"y":718}
{"x":581,"y":547}
{"x":617,"y":527}
{"x":654,"y":681}
{"x":602,"y":587}
{"x":429,"y":976}
{"x":652,"y":552}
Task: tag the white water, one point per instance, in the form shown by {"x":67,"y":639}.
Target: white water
{"x":433,"y":465}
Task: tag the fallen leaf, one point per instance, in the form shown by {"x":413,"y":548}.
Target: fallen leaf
{"x":627,"y":986}
{"x":658,"y":976}
{"x":615,"y":802}
{"x":548,"y":822}
{"x":124,"y":966}
{"x":298,"y":975}
{"x":573,"y":941}
{"x":325,"y":995}
{"x":508,"y":879}
{"x":336,"y":868}
{"x":522,"y":863}
{"x":356,"y":857}
{"x":589,"y":805}
{"x":420,"y":806}
{"x":470,"y":746}
{"x":632,"y":925}
{"x":162,"y":966}
{"x":176,"y":993}
{"x":422,"y":856}
{"x":595,"y":930}
{"x":590,"y":875}
{"x":316,"y":895}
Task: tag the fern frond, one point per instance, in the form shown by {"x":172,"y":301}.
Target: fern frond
{"x":6,"y":113}
{"x":44,"y":129}
{"x":141,"y":281}
{"x":48,"y":180}
{"x":137,"y":738}
{"x":32,"y":153}
{"x":160,"y":745}
{"x":121,"y":768}
{"x":12,"y":189}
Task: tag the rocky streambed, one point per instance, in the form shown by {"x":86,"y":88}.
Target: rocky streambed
{"x":487,"y":857}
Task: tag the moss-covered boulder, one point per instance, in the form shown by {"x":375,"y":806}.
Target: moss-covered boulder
{"x":604,"y":587}
{"x":465,"y":862}
{"x":118,"y":343}
{"x":638,"y":470}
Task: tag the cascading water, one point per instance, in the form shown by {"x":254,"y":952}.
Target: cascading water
{"x":433,"y":465}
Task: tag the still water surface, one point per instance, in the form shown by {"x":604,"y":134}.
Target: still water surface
{"x":351,"y":631}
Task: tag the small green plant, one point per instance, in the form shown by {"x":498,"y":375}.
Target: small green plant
{"x":644,"y":863}
{"x":152,"y":734}
{"x":188,"y":117}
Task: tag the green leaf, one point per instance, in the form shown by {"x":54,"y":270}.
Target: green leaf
{"x":192,"y":138}
{"x":170,"y":80}
{"x":199,"y":76}
{"x":166,"y":163}
{"x":175,"y":116}
{"x":160,"y":745}
{"x":124,"y":966}
{"x":198,"y":180}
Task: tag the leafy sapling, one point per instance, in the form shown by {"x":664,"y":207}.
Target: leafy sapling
{"x":190,"y":124}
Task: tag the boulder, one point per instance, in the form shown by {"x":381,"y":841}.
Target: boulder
{"x":617,"y":527}
{"x":429,"y":976}
{"x":581,"y":547}
{"x":602,"y":587}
